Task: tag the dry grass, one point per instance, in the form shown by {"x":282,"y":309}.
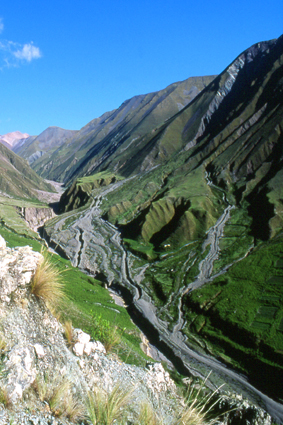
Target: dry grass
{"x":47,"y":284}
{"x":5,"y":398}
{"x":107,"y":409}
{"x":74,"y":410}
{"x":3,"y":345}
{"x":199,"y":407}
{"x":56,"y":400}
{"x":69,"y":333}
{"x":147,"y":416}
{"x":60,"y":398}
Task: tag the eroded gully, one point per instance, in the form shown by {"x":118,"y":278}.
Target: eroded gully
{"x":93,"y":245}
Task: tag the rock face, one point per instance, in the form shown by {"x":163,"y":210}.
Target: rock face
{"x":36,"y":217}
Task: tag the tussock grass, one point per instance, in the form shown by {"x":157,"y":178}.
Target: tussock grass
{"x":69,"y":333}
{"x":147,"y":416}
{"x":109,"y":408}
{"x":5,"y":397}
{"x":47,"y":284}
{"x":74,"y":410}
{"x":198,"y":410}
{"x":58,"y":394}
{"x":40,"y":385}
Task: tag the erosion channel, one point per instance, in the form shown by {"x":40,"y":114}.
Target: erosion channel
{"x":94,"y":245}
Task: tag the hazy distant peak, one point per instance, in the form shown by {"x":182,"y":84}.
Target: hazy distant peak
{"x":10,"y":139}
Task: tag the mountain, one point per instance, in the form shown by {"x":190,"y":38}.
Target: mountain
{"x":183,"y":216}
{"x":17,"y":179}
{"x":232,"y":129}
{"x":11,"y":139}
{"x":34,"y":147}
{"x":114,"y":132}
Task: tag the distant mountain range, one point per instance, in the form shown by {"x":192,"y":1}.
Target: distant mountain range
{"x":63,"y":155}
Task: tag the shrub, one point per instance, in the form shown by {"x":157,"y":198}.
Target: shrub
{"x":105,"y":332}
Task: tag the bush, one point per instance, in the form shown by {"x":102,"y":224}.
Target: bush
{"x":105,"y":332}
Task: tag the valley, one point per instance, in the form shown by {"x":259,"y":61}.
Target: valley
{"x":93,"y":245}
{"x":174,"y":202}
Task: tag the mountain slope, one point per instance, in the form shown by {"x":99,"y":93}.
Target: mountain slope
{"x":116,"y":131}
{"x":197,"y":211}
{"x":17,"y":178}
{"x":34,"y":147}
{"x":232,"y":129}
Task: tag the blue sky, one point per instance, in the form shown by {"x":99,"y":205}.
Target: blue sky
{"x":66,"y":62}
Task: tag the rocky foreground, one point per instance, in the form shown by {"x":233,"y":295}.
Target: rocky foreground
{"x":46,"y":380}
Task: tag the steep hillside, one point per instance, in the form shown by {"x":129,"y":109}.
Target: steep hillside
{"x":231,"y":133}
{"x":17,"y":178}
{"x":121,"y":130}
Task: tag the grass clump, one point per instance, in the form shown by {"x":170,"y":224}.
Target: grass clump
{"x":60,"y":398}
{"x":5,"y":397}
{"x":69,"y":333}
{"x":109,"y":408}
{"x":199,"y":407}
{"x":147,"y":416}
{"x":47,"y":284}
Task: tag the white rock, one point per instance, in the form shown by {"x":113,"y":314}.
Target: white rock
{"x":78,"y":349}
{"x":88,"y":348}
{"x":82,"y":337}
{"x":81,"y":364}
{"x":2,"y":243}
{"x":39,"y":351}
{"x":98,"y":346}
{"x":28,"y":360}
{"x":17,"y":393}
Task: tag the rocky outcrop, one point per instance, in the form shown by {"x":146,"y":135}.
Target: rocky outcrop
{"x":36,"y":217}
{"x":34,"y":355}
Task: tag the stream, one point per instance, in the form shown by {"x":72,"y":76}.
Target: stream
{"x":94,"y":245}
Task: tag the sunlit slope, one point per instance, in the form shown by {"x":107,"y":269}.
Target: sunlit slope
{"x":232,"y":131}
{"x":231,"y":135}
{"x":103,"y":140}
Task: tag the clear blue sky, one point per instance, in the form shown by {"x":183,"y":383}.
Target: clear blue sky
{"x":66,"y":62}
